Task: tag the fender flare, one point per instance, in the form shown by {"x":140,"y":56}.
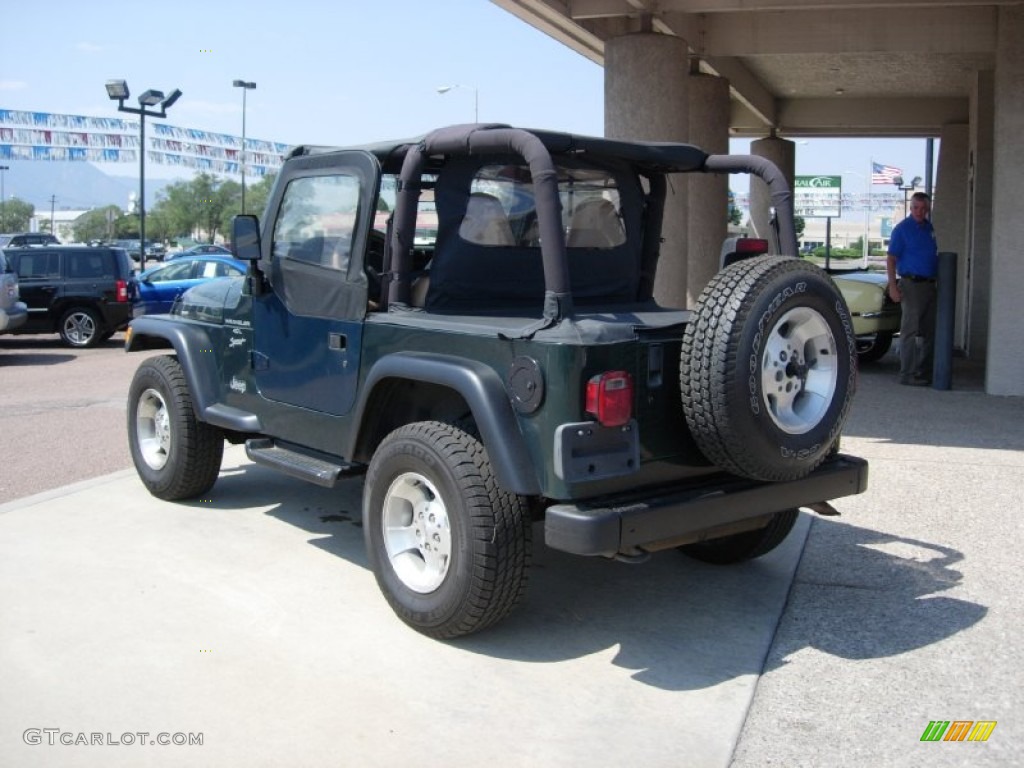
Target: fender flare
{"x":194,"y":348}
{"x":483,"y":390}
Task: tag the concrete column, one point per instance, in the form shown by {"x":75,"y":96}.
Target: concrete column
{"x":1004,"y":370}
{"x":782,"y":152}
{"x":977,"y":273}
{"x":709,"y":192}
{"x":645,"y":96}
{"x":950,"y":204}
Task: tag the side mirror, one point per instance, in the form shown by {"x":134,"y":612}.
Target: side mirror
{"x":245,"y":237}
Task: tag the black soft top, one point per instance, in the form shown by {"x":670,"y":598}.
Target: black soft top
{"x":646,"y":156}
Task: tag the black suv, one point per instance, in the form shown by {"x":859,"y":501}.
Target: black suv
{"x":82,"y":293}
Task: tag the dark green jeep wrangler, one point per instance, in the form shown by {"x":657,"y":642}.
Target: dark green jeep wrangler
{"x":468,"y":319}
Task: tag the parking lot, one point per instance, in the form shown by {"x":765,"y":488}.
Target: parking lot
{"x":251,"y":616}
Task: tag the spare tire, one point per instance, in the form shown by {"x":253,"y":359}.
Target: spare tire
{"x":768,"y":368}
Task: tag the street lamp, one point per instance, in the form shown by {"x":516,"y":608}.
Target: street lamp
{"x":898,"y":181}
{"x":3,"y":221}
{"x":476,"y":97}
{"x":117,"y":90}
{"x":245,"y":86}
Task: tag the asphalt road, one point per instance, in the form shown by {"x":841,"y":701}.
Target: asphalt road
{"x":62,"y":412}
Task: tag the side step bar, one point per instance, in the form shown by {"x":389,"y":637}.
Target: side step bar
{"x":313,"y":467}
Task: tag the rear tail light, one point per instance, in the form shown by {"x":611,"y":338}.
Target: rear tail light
{"x":121,"y":287}
{"x":751,"y":246}
{"x":610,"y":398}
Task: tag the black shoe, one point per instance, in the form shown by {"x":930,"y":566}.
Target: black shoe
{"x":915,"y":382}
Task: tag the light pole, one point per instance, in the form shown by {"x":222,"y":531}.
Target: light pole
{"x":245,"y":86}
{"x":898,"y":181}
{"x":3,"y":221}
{"x":867,"y":214}
{"x":476,"y":97}
{"x":117,"y":90}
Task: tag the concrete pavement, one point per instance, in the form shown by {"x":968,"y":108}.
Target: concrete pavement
{"x":251,"y":618}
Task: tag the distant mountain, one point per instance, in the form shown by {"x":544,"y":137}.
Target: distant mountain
{"x":77,"y":185}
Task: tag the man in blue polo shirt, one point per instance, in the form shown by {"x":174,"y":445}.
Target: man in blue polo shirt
{"x":913,"y":254}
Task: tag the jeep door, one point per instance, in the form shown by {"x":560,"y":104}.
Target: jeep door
{"x":308,"y":326}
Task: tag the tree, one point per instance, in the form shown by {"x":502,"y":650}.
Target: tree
{"x":16,"y":215}
{"x":735,"y":214}
{"x":257,"y":195}
{"x":93,"y":225}
{"x":799,"y":225}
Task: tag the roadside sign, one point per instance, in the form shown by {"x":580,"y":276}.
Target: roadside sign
{"x":818,"y":197}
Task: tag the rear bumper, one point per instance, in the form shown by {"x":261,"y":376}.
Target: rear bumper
{"x":635,"y":524}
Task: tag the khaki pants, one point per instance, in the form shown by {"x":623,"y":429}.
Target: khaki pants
{"x":917,"y":329}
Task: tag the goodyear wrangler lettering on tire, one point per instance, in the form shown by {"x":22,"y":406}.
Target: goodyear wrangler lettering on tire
{"x":774,"y":417}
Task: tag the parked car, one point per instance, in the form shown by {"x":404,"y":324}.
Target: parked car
{"x":155,"y":250}
{"x":13,"y":312}
{"x":199,"y":250}
{"x":160,"y":286}
{"x":27,"y":238}
{"x":876,"y":317}
{"x":81,"y":292}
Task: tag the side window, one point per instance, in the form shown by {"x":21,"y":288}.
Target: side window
{"x":88,"y":265}
{"x":218,"y":269}
{"x":181,"y":270}
{"x":39,"y":266}
{"x":317,"y":220}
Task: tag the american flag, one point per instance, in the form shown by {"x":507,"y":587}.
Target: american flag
{"x":884,"y":174}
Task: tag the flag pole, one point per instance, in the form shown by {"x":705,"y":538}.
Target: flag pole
{"x":867,"y":210}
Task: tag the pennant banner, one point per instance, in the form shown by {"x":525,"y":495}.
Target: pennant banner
{"x":49,"y":136}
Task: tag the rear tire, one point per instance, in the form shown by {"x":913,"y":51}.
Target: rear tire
{"x":176,"y":455}
{"x":449,"y":548}
{"x":768,"y":368}
{"x":741,"y":547}
{"x":80,"y":327}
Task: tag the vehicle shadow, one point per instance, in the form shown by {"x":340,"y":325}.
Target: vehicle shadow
{"x":46,"y":349}
{"x":18,"y":357}
{"x":672,"y":622}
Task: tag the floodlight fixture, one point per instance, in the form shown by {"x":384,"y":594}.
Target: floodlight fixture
{"x":117,"y":89}
{"x":443,"y":89}
{"x":173,"y":97}
{"x":151,"y":98}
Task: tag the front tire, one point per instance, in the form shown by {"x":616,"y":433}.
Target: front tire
{"x":176,"y":455}
{"x":768,"y":368}
{"x":871,"y":349}
{"x":449,"y":548}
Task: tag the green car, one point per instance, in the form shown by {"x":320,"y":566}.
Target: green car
{"x":876,"y":317}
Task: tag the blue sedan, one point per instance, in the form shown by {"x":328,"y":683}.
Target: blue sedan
{"x":160,"y":286}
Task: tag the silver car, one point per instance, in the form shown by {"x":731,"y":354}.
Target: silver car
{"x":13,"y":312}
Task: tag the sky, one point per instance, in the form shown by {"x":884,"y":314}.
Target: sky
{"x":335,"y":73}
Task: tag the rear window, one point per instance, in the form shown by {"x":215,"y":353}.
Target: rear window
{"x":502,"y":210}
